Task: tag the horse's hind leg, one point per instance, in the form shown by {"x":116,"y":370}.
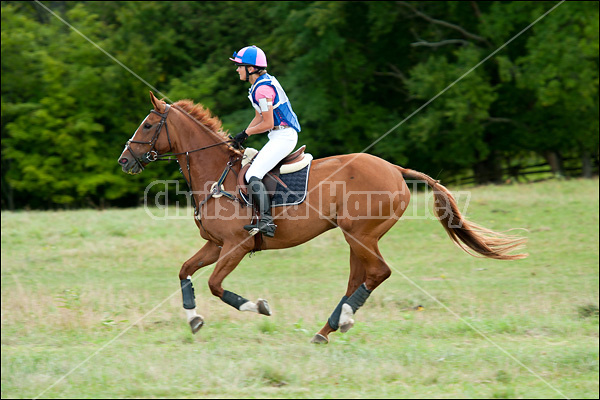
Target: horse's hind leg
{"x":367,"y":271}
{"x":357,"y":277}
{"x":208,"y":254}
{"x":376,"y":271}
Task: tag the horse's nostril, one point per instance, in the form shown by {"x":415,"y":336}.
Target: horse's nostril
{"x":123,"y":161}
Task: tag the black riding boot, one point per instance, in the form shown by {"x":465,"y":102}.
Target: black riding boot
{"x":260,"y":198}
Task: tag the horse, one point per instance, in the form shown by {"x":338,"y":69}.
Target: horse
{"x":336,"y":191}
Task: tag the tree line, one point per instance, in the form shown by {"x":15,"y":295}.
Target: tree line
{"x":354,"y":71}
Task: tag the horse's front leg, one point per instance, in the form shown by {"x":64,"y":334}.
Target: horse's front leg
{"x":231,"y":255}
{"x":207,"y":255}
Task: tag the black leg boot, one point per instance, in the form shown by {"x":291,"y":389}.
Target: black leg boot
{"x":262,"y":201}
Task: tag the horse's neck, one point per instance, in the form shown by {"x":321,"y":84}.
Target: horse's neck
{"x":203,"y":165}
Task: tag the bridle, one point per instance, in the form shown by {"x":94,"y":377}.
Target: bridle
{"x":152,"y":155}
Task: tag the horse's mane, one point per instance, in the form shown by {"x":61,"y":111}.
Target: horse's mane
{"x":203,"y":116}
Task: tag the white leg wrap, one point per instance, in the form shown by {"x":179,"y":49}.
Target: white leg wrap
{"x":346,"y":321}
{"x":249,"y":306}
{"x":191,"y":314}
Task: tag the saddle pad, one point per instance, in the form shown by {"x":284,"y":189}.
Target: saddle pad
{"x":295,"y":193}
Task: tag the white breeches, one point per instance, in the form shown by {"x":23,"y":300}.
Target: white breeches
{"x":281,"y":143}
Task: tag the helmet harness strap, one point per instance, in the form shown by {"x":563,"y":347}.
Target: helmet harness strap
{"x":248,"y":73}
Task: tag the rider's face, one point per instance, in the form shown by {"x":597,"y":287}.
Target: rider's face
{"x":242,"y":72}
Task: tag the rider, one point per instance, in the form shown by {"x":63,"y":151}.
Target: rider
{"x":273,"y":114}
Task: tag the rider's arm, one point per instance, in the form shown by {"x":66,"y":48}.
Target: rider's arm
{"x":256,"y":120}
{"x":263,"y":119}
{"x":264,"y":122}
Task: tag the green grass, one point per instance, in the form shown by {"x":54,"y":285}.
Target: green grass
{"x":72,"y":281}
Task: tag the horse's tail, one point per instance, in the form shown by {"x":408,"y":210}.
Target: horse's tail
{"x":464,"y":233}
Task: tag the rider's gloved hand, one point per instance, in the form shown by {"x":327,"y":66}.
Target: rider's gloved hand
{"x":239,"y":139}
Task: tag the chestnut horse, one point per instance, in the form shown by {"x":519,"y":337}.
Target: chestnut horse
{"x":361,"y":194}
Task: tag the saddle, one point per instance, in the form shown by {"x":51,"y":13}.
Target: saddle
{"x":292,"y":163}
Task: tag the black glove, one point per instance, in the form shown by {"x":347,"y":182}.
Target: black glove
{"x":239,"y":139}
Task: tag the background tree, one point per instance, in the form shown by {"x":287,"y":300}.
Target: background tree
{"x":353,"y":70}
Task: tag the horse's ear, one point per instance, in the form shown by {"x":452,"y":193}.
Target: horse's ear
{"x":159,"y":105}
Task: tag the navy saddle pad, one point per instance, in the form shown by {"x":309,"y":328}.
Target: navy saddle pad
{"x":295,"y":193}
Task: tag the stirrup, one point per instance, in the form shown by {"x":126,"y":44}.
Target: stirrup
{"x":254,"y":229}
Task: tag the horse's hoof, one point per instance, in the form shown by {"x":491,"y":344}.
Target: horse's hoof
{"x":319,"y":339}
{"x":263,"y":307}
{"x":196,"y":323}
{"x":346,"y":327}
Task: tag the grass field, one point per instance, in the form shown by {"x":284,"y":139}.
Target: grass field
{"x":95,"y":295}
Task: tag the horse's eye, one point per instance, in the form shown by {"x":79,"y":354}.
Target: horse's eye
{"x":147,"y":126}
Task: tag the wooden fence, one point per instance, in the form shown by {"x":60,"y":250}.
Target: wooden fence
{"x":531,"y":173}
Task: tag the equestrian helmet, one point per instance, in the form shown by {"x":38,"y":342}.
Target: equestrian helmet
{"x":250,"y":56}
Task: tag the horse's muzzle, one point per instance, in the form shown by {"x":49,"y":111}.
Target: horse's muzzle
{"x":129,"y":166}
